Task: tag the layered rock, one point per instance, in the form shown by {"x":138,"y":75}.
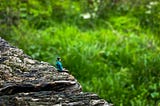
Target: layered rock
{"x":28,"y":82}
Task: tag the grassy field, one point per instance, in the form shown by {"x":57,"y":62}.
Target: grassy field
{"x":117,"y":57}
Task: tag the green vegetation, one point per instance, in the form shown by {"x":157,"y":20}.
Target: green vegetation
{"x":111,"y":46}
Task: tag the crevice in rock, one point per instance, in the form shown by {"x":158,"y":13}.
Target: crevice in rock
{"x":56,"y":87}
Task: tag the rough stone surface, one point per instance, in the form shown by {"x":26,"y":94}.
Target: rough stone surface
{"x":28,"y":82}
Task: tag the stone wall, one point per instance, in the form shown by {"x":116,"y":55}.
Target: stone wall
{"x":28,"y":82}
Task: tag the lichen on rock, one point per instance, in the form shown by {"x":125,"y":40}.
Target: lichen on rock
{"x":28,"y":82}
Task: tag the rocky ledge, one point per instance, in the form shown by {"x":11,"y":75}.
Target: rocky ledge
{"x":28,"y":82}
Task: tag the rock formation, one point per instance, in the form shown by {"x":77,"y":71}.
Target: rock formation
{"x":28,"y":82}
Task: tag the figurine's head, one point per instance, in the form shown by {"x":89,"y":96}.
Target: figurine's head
{"x":58,"y":58}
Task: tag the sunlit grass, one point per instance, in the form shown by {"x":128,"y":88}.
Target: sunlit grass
{"x":112,"y":61}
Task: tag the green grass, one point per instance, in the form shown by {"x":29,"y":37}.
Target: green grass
{"x":119,"y":61}
{"x":115,"y":53}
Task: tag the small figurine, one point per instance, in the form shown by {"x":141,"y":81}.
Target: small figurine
{"x":59,"y":65}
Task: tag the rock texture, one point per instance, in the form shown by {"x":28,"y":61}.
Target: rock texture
{"x":28,"y":82}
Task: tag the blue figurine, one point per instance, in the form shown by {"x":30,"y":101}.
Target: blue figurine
{"x":59,"y":65}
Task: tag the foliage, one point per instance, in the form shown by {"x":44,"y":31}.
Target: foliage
{"x":115,"y":54}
